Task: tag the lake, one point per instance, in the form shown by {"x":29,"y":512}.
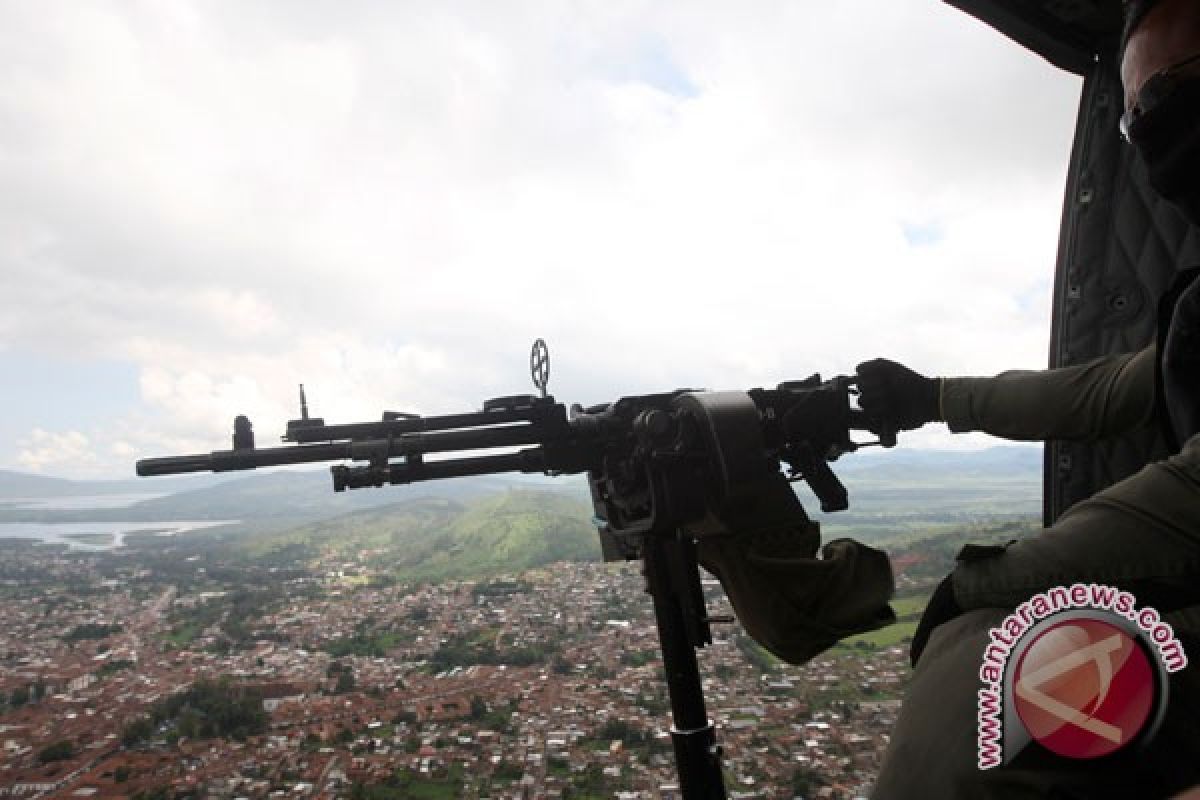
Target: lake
{"x":92,"y":535}
{"x":99,"y":535}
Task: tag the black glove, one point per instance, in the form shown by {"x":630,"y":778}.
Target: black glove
{"x":895,"y":396}
{"x":1181,"y":365}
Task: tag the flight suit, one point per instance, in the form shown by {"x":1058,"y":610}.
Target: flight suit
{"x":1141,"y":534}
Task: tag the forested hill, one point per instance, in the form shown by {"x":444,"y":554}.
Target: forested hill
{"x":435,"y":538}
{"x":511,"y":529}
{"x":296,"y":493}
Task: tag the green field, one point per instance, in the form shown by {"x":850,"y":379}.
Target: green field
{"x":183,"y":635}
{"x":890,"y":636}
{"x":908,"y":613}
{"x":910,"y":605}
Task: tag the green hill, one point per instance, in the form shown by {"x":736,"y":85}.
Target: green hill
{"x":434,"y":538}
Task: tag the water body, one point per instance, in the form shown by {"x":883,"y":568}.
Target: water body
{"x":99,"y":535}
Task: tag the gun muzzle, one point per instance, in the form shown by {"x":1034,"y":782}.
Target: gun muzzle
{"x":174,"y":465}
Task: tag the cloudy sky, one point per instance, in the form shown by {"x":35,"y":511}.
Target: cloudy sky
{"x":204,"y":204}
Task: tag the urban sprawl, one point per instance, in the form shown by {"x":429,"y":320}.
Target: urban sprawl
{"x":166,"y":677}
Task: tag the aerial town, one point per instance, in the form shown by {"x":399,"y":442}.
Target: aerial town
{"x":145,"y":678}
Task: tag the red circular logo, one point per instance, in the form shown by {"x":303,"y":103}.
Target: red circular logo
{"x":1084,"y":688}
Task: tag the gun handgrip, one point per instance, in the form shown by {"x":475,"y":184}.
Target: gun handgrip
{"x":887,"y":436}
{"x":826,"y":486}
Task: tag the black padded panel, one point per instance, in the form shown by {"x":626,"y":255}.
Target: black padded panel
{"x":1119,"y":248}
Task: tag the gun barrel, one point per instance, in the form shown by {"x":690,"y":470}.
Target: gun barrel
{"x":407,"y":444}
{"x":230,"y":460}
{"x":174,"y":465}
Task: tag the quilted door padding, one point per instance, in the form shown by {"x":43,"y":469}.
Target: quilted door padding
{"x":1119,"y":248}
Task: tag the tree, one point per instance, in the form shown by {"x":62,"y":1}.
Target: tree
{"x":20,"y":696}
{"x":806,"y":781}
{"x":136,"y":731}
{"x":157,"y":793}
{"x":121,"y":774}
{"x":507,"y":772}
{"x":479,"y":707}
{"x":59,"y":751}
{"x":206,"y":709}
{"x":345,"y":682}
{"x":622,"y":730}
{"x":90,"y":630}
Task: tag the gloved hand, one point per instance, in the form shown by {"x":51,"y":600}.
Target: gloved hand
{"x":895,"y":396}
{"x":791,"y":602}
{"x":1181,"y":365}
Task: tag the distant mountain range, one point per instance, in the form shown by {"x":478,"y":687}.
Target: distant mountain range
{"x":879,"y":481}
{"x":470,"y":527}
{"x":898,"y":464}
{"x":872,"y":463}
{"x":292,"y":495}
{"x":25,"y":485}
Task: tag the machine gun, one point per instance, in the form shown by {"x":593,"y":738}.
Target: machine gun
{"x":663,"y":470}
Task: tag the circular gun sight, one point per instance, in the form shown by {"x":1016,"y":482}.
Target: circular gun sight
{"x":539,"y":365}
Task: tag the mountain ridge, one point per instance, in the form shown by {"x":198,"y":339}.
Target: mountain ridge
{"x":17,"y":484}
{"x":437,"y":538}
{"x":29,"y":485}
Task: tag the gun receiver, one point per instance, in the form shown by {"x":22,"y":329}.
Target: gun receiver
{"x":663,"y":470}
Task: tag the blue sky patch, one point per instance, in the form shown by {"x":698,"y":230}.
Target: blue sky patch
{"x":60,"y":394}
{"x":650,"y":61}
{"x":923,"y":234}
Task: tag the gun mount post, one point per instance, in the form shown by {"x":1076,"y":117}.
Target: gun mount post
{"x":673,"y":581}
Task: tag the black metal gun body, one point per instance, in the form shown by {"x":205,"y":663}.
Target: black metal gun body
{"x":663,"y":470}
{"x":802,"y":424}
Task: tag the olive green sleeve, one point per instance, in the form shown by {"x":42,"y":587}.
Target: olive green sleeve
{"x":1143,"y":531}
{"x":1103,"y":397}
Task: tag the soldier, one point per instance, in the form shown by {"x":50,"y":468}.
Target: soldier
{"x":1141,"y":534}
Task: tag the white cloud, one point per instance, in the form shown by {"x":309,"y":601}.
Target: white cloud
{"x":388,"y":204}
{"x":46,"y":451}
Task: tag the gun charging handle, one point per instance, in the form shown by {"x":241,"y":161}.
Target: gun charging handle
{"x":860,"y":420}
